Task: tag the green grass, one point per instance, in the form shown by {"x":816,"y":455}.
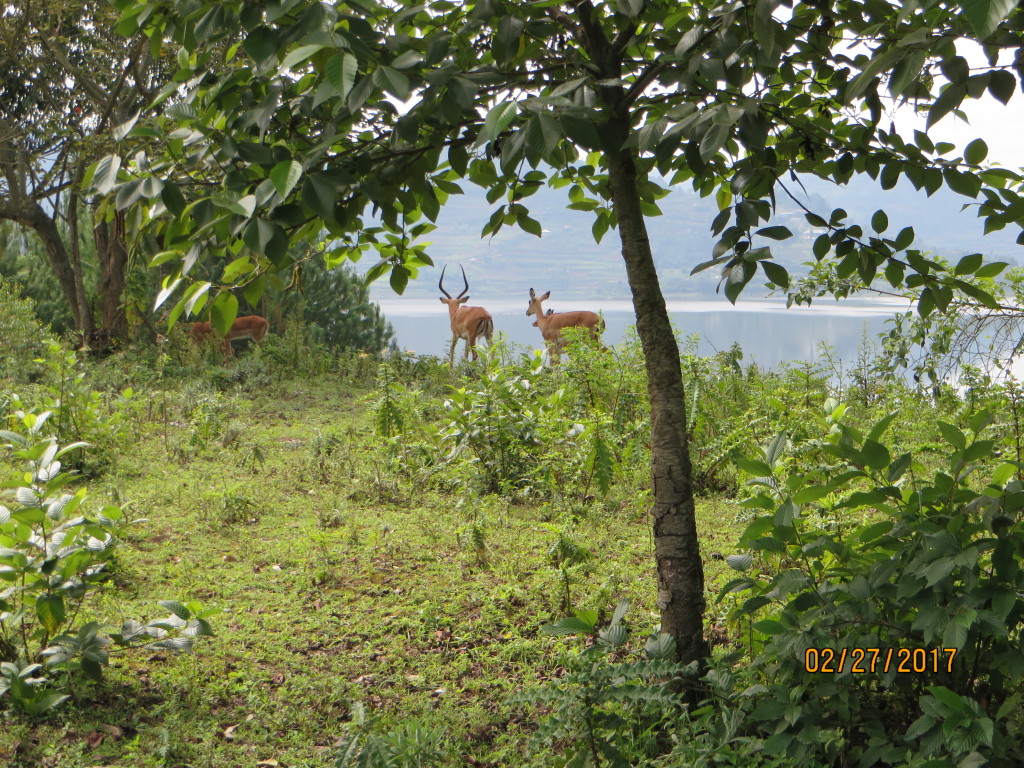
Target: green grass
{"x":341,"y":583}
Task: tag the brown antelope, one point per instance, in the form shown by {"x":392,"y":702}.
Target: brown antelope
{"x":468,"y":323}
{"x":551,"y":324}
{"x":252,"y":327}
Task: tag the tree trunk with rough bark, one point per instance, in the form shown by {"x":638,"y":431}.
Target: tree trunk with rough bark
{"x":112,"y":256}
{"x":680,"y":570}
{"x":679,"y":566}
{"x":33,"y":216}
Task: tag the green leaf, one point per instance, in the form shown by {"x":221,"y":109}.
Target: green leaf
{"x":1002,"y":84}
{"x":253,"y":290}
{"x":879,"y":64}
{"x":875,"y":454}
{"x":713,"y":141}
{"x":261,"y":45}
{"x":105,"y":175}
{"x":879,"y":221}
{"x":340,"y":72}
{"x":776,"y":448}
{"x":319,"y":195}
{"x":631,"y":8}
{"x":898,"y":468}
{"x":976,"y":151}
{"x":904,"y":238}
{"x":874,"y":531}
{"x":498,"y":119}
{"x":810,"y":493}
{"x":300,"y":54}
{"x":223,"y":312}
{"x":740,"y":562}
{"x":400,"y":278}
{"x":822,"y":245}
{"x":285,"y":175}
{"x":986,"y":15}
{"x":754,"y":467}
{"x":392,"y":81}
{"x":968,"y":265}
{"x":948,"y":100}
{"x":776,"y":273}
{"x":953,"y":701}
{"x":527,"y":224}
{"x":991,"y":269}
{"x":407,"y":59}
{"x":50,"y":611}
{"x":952,"y":435}
{"x":770,"y":627}
{"x":775,"y":233}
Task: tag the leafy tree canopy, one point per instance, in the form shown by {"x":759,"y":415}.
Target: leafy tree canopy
{"x":285,"y":118}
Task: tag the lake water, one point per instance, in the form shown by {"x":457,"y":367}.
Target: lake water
{"x":768,"y":332}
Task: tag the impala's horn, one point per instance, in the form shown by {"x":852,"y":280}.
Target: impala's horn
{"x":465,"y":280}
{"x":440,"y":283}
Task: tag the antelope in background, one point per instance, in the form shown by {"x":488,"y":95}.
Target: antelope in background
{"x":468,"y":323}
{"x":552,"y":323}
{"x":251,"y":327}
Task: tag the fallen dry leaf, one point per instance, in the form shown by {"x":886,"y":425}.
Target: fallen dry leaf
{"x":267,"y":764}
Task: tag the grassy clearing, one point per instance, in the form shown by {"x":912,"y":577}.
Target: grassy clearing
{"x":341,"y":584}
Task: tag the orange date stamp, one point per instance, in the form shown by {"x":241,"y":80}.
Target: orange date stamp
{"x":874,"y":660}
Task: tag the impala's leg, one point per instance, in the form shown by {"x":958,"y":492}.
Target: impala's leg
{"x":451,"y":352}
{"x":470,"y":345}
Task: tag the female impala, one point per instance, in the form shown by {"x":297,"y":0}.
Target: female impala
{"x":552,"y":323}
{"x":252,"y":327}
{"x":468,"y":323}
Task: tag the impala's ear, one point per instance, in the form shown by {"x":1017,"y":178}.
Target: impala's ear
{"x":532,"y":294}
{"x":546,"y":296}
{"x":464,"y":299}
{"x":443,"y":301}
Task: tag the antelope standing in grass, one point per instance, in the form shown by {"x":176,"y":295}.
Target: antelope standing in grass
{"x":551,"y":324}
{"x":252,"y":327}
{"x":469,"y":323}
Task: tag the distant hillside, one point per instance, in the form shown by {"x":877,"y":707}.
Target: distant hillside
{"x":567,"y":261}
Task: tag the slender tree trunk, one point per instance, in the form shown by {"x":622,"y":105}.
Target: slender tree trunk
{"x":32,"y":215}
{"x":680,"y":569}
{"x":76,"y":257}
{"x":113,"y":261}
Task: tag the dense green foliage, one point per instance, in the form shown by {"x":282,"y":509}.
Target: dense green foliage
{"x":22,"y":333}
{"x":515,"y":491}
{"x":53,"y":562}
{"x":22,"y":266}
{"x":336,"y":308}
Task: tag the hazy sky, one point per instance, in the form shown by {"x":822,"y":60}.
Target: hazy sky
{"x":998,"y":125}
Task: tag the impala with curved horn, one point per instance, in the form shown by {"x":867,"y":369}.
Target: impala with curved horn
{"x":469,"y":323}
{"x":551,"y":323}
{"x":252,"y":327}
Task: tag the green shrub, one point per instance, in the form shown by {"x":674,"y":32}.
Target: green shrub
{"x":52,"y":562}
{"x":22,"y":336}
{"x":925,"y":567}
{"x":613,"y":705}
{"x":71,"y":411}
